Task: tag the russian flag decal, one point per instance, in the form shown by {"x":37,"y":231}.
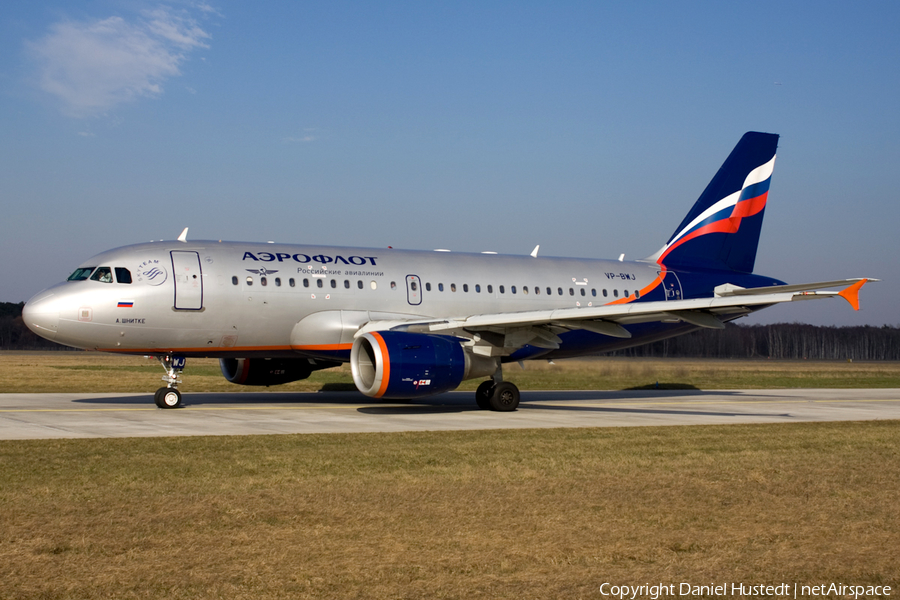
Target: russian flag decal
{"x":125,"y":304}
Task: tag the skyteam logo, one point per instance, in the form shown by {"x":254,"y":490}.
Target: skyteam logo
{"x":152,"y":272}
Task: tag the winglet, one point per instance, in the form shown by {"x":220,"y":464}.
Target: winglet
{"x":535,"y":251}
{"x":851,"y":294}
{"x":183,"y":236}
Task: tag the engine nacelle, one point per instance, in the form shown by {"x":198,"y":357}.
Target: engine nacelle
{"x":400,"y":365}
{"x":265,"y":371}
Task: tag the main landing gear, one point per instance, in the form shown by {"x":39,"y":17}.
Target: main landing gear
{"x":169,"y":396}
{"x":496,"y":394}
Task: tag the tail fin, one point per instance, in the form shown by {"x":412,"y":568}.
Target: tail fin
{"x":722,"y":229}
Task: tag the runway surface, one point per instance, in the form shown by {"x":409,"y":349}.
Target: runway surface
{"x":44,"y":416}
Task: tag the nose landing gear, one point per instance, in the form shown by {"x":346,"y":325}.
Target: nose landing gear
{"x":169,"y":396}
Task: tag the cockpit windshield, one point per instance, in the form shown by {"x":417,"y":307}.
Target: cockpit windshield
{"x":103,"y":275}
{"x":81,"y":274}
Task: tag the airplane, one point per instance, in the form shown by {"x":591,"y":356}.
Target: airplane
{"x":414,"y":324}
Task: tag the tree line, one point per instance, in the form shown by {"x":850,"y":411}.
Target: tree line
{"x":781,"y":340}
{"x":778,"y":341}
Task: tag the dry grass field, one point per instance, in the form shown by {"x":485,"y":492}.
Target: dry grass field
{"x":486,"y":514}
{"x":96,"y":372}
{"x":497,"y":514}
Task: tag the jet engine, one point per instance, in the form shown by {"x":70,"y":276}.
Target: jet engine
{"x":266,"y":371}
{"x":401,"y":365}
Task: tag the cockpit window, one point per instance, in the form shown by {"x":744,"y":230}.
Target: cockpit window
{"x":102,"y":274}
{"x":81,"y":274}
{"x":123,"y":275}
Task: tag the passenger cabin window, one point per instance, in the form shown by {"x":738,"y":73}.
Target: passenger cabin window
{"x":319,"y":283}
{"x":465,"y":287}
{"x":616,"y":293}
{"x":334,"y":283}
{"x":291,"y":282}
{"x":427,"y":287}
{"x":249,"y":280}
{"x":637,"y":293}
{"x":123,"y":275}
{"x":549,"y":292}
{"x":359,"y":284}
{"x":263,"y":281}
{"x":346,"y":284}
{"x":234,"y":280}
{"x":512,"y":289}
{"x":81,"y":274}
{"x":440,"y":287}
{"x":477,"y":288}
{"x":306,"y":283}
{"x":502,"y":290}
{"x":278,"y":282}
{"x":604,"y":293}
{"x":490,"y":289}
{"x":582,"y":292}
{"x":559,"y":290}
{"x":452,"y":287}
{"x":537,"y":290}
{"x":103,"y":275}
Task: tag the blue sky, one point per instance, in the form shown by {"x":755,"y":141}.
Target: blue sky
{"x":589,"y":128}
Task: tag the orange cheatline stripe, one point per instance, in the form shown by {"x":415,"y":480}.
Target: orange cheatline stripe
{"x":385,"y":365}
{"x":196,"y":350}
{"x":323,"y":347}
{"x":653,"y":285}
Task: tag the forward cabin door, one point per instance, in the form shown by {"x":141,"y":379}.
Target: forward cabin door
{"x":413,"y":290}
{"x":188,"y":280}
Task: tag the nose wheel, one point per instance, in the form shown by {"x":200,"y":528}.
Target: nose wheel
{"x":169,"y":396}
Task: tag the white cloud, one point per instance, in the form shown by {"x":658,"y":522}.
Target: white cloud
{"x":93,"y":66}
{"x":309,"y":135}
{"x":305,"y":138}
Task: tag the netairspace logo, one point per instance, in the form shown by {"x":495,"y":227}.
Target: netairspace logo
{"x":736,"y":590}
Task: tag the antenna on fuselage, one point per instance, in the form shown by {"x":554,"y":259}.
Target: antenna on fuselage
{"x":183,"y":236}
{"x":535,"y":251}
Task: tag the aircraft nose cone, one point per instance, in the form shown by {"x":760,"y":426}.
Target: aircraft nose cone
{"x":41,"y":316}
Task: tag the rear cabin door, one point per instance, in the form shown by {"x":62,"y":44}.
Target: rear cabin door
{"x":188,"y":280}
{"x":672,"y":285}
{"x":413,"y":290}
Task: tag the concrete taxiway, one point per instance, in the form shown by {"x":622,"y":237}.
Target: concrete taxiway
{"x":43,"y":416}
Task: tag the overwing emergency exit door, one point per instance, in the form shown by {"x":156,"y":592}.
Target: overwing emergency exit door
{"x":188,"y":278}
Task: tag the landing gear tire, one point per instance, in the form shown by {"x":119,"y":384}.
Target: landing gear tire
{"x":483,"y":394}
{"x":168,"y":398}
{"x":505,"y":397}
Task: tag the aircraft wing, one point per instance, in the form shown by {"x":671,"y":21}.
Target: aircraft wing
{"x":502,"y":333}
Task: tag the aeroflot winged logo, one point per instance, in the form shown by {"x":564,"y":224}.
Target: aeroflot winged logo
{"x":323,"y":259}
{"x":725,"y":215}
{"x":152,"y":272}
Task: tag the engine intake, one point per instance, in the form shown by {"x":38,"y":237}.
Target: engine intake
{"x":400,"y":365}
